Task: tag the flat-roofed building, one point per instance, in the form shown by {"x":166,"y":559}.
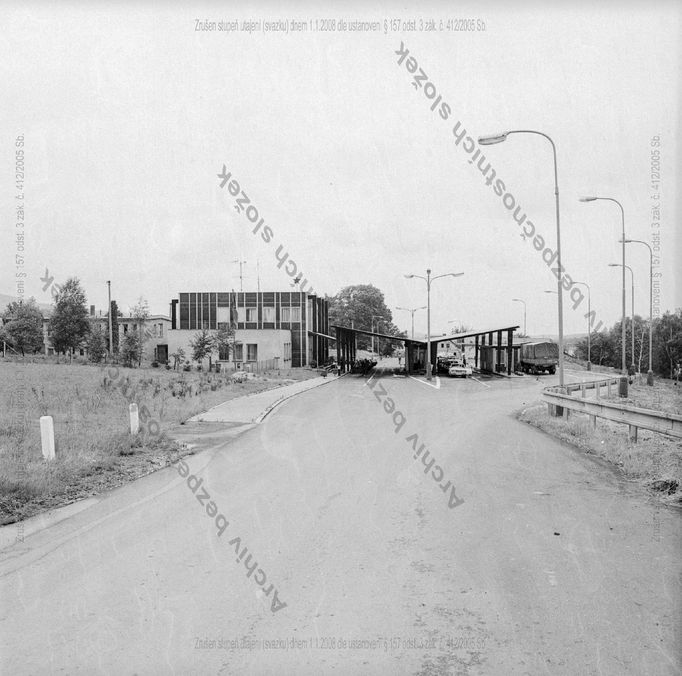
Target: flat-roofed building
{"x":290,"y":327}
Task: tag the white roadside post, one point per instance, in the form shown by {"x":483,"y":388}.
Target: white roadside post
{"x":134,"y":419}
{"x":47,"y":436}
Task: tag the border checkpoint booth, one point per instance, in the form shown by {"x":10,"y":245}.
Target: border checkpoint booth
{"x":489,"y":355}
{"x":415,"y":350}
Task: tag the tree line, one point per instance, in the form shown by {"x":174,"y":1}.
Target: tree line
{"x":70,"y":328}
{"x":666,"y":338}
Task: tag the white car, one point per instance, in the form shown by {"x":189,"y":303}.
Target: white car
{"x":457,"y":369}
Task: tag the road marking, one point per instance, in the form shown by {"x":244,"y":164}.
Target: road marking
{"x":479,"y":382}
{"x":419,"y":380}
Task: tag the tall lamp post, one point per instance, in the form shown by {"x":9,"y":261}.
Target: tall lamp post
{"x":428,"y":279}
{"x":373,"y":316}
{"x":622,"y":213}
{"x":632,"y":322}
{"x":520,"y":300}
{"x":650,"y":374}
{"x":412,"y":311}
{"x":498,"y":138}
{"x":589,"y":319}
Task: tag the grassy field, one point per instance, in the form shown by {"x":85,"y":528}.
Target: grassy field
{"x":89,"y":406}
{"x":655,"y":459}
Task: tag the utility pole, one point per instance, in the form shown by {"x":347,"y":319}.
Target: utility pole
{"x":111,"y":332}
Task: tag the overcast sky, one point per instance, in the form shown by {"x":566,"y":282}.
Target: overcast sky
{"x":128,"y":114}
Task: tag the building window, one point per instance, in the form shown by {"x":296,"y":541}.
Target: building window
{"x":239,"y":351}
{"x":251,"y":352}
{"x":247,"y":314}
{"x":125,"y":328}
{"x":269,"y":315}
{"x":160,"y":330}
{"x":287,"y":352}
{"x":291,"y":314}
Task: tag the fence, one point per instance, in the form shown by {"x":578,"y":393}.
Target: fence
{"x":664,"y":423}
{"x":250,"y":366}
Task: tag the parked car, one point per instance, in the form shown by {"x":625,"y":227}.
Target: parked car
{"x":459,"y":369}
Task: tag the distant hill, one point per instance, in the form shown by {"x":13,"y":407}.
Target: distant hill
{"x":5,"y":300}
{"x":568,"y":338}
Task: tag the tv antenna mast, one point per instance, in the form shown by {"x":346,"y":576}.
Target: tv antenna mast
{"x":241,"y":271}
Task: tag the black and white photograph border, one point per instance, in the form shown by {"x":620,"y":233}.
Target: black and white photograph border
{"x":340,"y":338}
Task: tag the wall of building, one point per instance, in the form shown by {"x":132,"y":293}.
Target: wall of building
{"x":270,"y":344}
{"x":294,"y":311}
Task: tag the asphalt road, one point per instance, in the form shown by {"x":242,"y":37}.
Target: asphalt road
{"x":552,"y":564}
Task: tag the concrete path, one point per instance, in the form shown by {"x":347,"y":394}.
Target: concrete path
{"x":253,"y":408}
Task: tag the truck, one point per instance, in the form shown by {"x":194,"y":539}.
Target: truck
{"x":538,"y":357}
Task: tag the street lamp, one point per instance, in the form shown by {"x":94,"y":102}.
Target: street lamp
{"x":622,"y":213}
{"x":428,"y":279}
{"x":589,"y":319}
{"x":498,"y":138}
{"x":650,"y":374}
{"x":373,"y":316}
{"x":632,"y":323}
{"x":519,"y":300}
{"x":412,"y":311}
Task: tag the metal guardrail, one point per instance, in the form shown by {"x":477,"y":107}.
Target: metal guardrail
{"x":656,"y":421}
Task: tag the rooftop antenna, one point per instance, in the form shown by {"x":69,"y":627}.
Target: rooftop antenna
{"x":241,"y":274}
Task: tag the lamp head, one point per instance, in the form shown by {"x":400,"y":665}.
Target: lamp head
{"x":408,"y":276}
{"x":614,"y":265}
{"x":587,"y":199}
{"x":492,"y":139}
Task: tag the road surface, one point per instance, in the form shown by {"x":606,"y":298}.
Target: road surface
{"x":552,"y":564}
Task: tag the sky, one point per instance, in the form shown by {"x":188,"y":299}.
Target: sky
{"x":124,"y":114}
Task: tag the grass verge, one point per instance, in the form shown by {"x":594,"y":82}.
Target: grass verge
{"x":94,"y":449}
{"x":655,"y":459}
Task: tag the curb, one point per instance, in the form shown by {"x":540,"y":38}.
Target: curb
{"x":259,"y":419}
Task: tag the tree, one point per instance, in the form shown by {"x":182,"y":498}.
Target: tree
{"x":223,"y":342}
{"x":140,"y":313}
{"x":362,"y":306}
{"x":202,"y":346}
{"x":602,"y":350}
{"x":115,"y":314}
{"x":97,"y":344}
{"x":24,"y":326}
{"x":69,"y":322}
{"x":667,"y":338}
{"x":129,"y":352}
{"x":178,"y":357}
